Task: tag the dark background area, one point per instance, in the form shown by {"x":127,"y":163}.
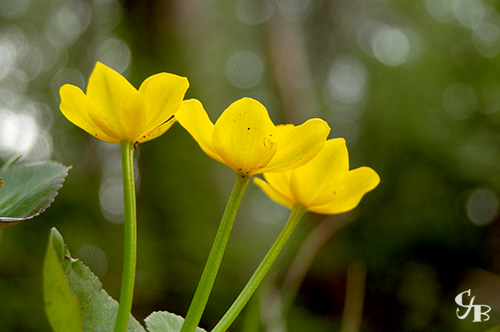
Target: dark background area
{"x":413,"y":86}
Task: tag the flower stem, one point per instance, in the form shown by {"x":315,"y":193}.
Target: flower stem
{"x":233,"y":312}
{"x":130,"y":240}
{"x":212,"y":265}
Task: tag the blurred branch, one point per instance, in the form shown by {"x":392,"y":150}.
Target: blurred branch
{"x":297,"y":272}
{"x":289,"y":61}
{"x":305,"y":257}
{"x":354,"y":297}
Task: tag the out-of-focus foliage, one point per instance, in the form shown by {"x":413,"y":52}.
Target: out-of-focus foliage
{"x":413,"y":86}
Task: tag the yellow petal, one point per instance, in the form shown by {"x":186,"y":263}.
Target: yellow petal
{"x":356,"y":184}
{"x":193,"y":117}
{"x":313,"y":183}
{"x":284,"y":127}
{"x":118,"y":105}
{"x":273,"y":194}
{"x":163,"y":94}
{"x":74,"y":106}
{"x":156,"y":132}
{"x":244,"y":136}
{"x":280,"y":181}
{"x":298,"y":145}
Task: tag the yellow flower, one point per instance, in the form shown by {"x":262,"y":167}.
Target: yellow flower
{"x":245,"y":139}
{"x":323,"y":185}
{"x":114,"y":111}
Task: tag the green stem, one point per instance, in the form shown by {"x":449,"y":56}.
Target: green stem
{"x":233,"y":312}
{"x":130,"y":241}
{"x":212,"y":265}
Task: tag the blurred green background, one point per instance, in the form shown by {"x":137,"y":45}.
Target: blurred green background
{"x":413,"y":86}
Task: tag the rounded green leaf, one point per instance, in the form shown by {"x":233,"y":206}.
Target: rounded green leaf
{"x":163,"y":321}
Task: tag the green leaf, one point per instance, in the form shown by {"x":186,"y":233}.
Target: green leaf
{"x":29,"y":190}
{"x":162,"y":321}
{"x":61,"y":304}
{"x":97,"y":308}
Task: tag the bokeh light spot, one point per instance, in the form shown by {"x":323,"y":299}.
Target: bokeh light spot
{"x":482,"y":206}
{"x":294,"y":9}
{"x":42,"y":148}
{"x":111,"y":189}
{"x":7,"y":58}
{"x":491,"y":96}
{"x":33,"y":62}
{"x":69,"y":23}
{"x":115,"y":53}
{"x":111,"y":199}
{"x":440,"y":9}
{"x":66,"y":76}
{"x":107,"y":15}
{"x":12,"y":9}
{"x":347,"y":79}
{"x":468,"y":12}
{"x":254,"y":12}
{"x":18,"y":132}
{"x":486,"y":37}
{"x":390,"y":46}
{"x":459,"y":101}
{"x":244,"y":69}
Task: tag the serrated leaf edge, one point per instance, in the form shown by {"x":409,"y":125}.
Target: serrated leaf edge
{"x":66,"y":259}
{"x":13,"y":221}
